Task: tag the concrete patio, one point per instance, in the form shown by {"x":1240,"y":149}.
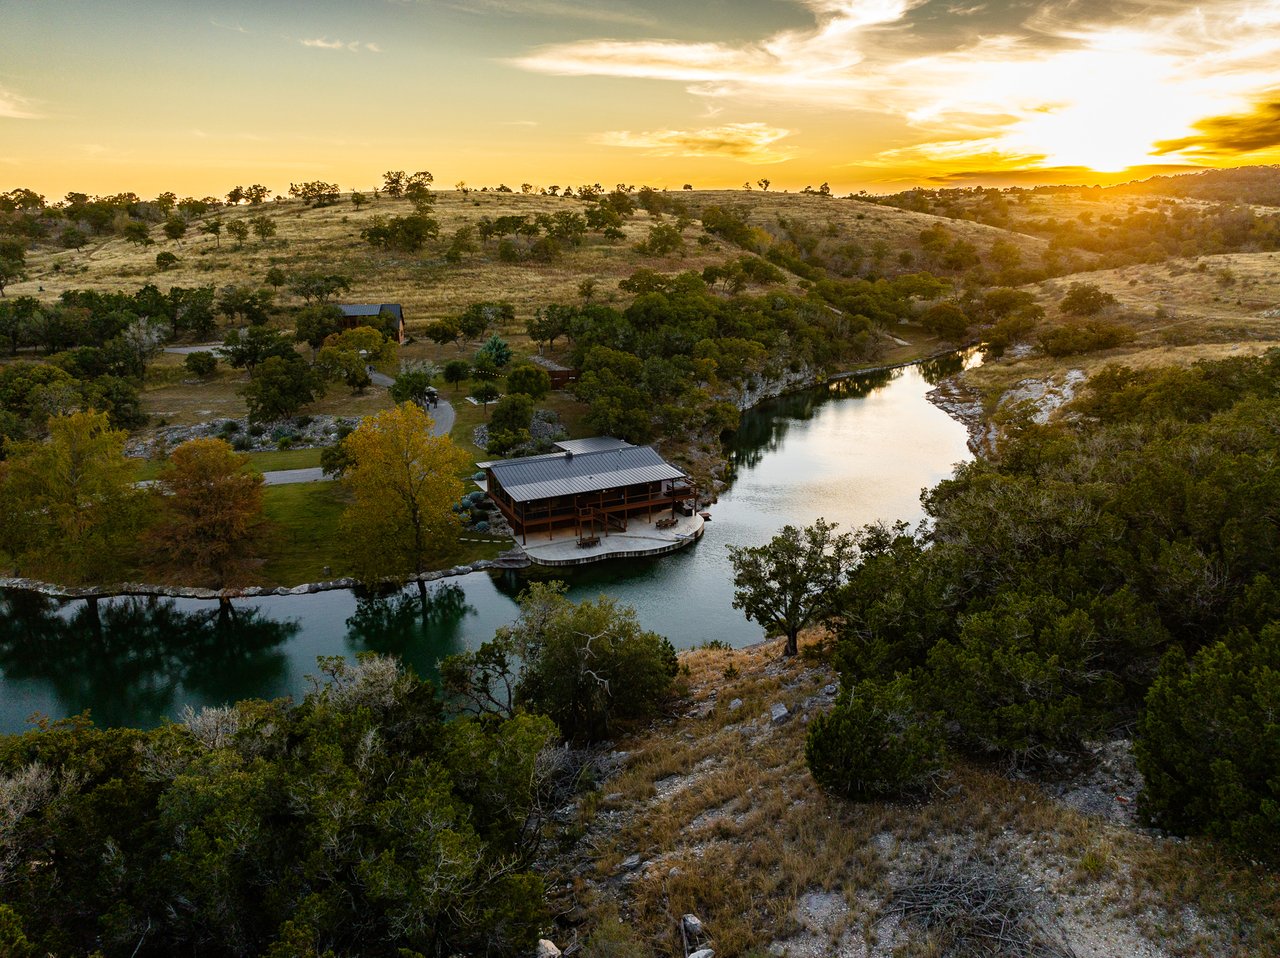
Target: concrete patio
{"x":642,"y":538}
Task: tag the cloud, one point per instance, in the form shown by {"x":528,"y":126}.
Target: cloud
{"x":355,"y":46}
{"x":747,"y":142}
{"x":1093,"y":83}
{"x":233,"y":27}
{"x":1221,"y":137}
{"x":557,"y":9}
{"x":15,"y":107}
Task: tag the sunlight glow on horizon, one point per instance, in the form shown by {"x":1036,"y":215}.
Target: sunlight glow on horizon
{"x":861,"y":93}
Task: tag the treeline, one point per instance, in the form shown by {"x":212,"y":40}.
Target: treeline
{"x":1259,"y":185}
{"x":97,"y":346}
{"x":670,"y":362}
{"x":1111,"y":238}
{"x":1124,"y":570}
{"x":374,"y":817}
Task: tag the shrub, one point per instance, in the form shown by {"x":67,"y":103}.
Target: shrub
{"x":1067,"y":340}
{"x":1085,"y":299}
{"x":166,"y":260}
{"x":587,"y":665}
{"x":530,"y":380}
{"x":1022,"y":675}
{"x":1208,"y":743}
{"x":257,"y":429}
{"x":241,"y":444}
{"x":876,"y":744}
{"x":201,"y":363}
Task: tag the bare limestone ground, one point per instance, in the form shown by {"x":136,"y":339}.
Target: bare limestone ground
{"x":712,"y":812}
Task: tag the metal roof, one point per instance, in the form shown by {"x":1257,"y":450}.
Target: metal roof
{"x":567,"y":474}
{"x":371,"y":309}
{"x":594,"y":444}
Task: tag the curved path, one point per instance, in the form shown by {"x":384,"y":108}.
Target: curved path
{"x":442,"y":414}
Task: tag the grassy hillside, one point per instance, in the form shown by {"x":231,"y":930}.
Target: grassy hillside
{"x":328,"y":240}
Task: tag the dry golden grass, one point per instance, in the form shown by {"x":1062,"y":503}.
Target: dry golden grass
{"x":328,"y":240}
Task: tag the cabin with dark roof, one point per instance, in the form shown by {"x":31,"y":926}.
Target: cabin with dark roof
{"x":589,"y":487}
{"x":366,"y":314}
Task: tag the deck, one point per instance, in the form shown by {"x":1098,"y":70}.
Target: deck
{"x":642,"y":538}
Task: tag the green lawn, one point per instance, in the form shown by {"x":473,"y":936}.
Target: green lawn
{"x":258,"y":461}
{"x":303,"y":537}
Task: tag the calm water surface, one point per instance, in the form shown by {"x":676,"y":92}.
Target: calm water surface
{"x":854,"y":451}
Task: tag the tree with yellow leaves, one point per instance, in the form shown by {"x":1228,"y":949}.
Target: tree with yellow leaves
{"x":403,"y":482}
{"x":69,"y":510}
{"x":211,"y":514}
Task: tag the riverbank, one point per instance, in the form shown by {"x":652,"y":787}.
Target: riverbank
{"x":508,"y":560}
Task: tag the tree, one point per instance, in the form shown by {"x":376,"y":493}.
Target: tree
{"x":315,"y":324}
{"x":278,"y":388}
{"x":358,"y":199}
{"x":275,"y":277}
{"x":175,"y":227}
{"x":264,"y":227}
{"x":320,"y":287}
{"x":72,"y":512}
{"x":412,"y":385}
{"x":790,"y":581}
{"x":136,"y":231}
{"x":512,"y":414}
{"x":496,"y":349}
{"x":403,"y":483}
{"x":246,"y":349}
{"x":533,"y":381}
{"x":213,"y":228}
{"x":241,"y":303}
{"x":393,"y":183}
{"x":946,"y":321}
{"x":211,"y":514}
{"x":165,"y":260}
{"x":456,"y":372}
{"x":315,"y":193}
{"x":485,"y":393}
{"x":1085,"y":299}
{"x":588,"y":666}
{"x":239,"y":231}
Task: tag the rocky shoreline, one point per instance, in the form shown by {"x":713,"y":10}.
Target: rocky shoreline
{"x":513,"y":559}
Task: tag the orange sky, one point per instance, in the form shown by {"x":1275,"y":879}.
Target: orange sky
{"x":195,"y":97}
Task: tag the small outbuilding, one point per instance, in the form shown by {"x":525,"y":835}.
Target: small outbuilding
{"x":366,"y":314}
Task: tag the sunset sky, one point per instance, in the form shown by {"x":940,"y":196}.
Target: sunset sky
{"x":195,"y":97}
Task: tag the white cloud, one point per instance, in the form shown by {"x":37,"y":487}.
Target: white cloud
{"x":748,"y":142}
{"x":594,"y":12}
{"x":15,"y":107}
{"x":354,"y":46}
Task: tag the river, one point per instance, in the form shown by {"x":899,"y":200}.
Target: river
{"x":854,"y":451}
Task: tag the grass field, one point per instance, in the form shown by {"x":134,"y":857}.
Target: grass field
{"x":304,"y":537}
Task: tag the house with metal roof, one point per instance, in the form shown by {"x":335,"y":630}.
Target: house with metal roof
{"x":589,"y":488}
{"x":366,"y":314}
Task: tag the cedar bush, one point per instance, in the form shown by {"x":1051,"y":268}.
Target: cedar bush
{"x":1209,"y":743}
{"x":875,"y":744}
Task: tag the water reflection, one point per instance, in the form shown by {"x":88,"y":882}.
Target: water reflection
{"x":853,"y":451}
{"x":419,"y":629}
{"x":129,"y":659}
{"x":763,"y":430}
